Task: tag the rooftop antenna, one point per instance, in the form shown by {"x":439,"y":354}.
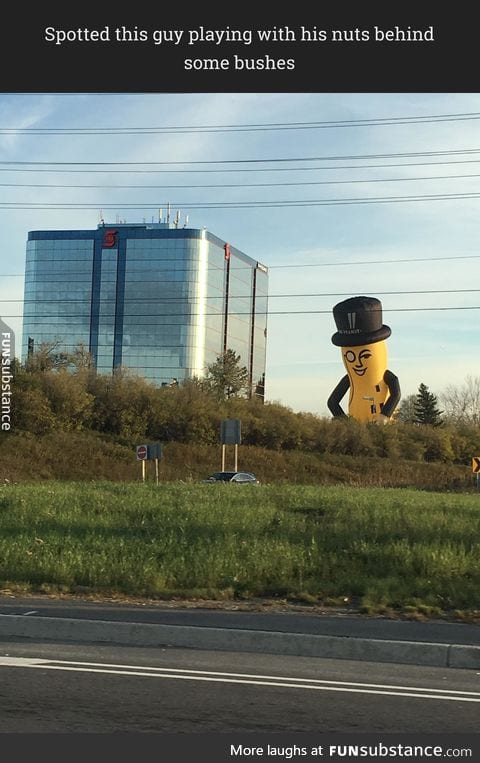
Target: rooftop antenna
{"x":186,"y":221}
{"x":160,"y":215}
{"x":177,"y":218}
{"x":168,"y":212}
{"x":101,"y":220}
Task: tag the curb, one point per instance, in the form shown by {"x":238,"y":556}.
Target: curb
{"x":232,"y":639}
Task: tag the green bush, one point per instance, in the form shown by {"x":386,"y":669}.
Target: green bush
{"x":130,"y":409}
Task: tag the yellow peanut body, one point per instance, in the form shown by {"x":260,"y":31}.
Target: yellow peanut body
{"x":366,"y":366}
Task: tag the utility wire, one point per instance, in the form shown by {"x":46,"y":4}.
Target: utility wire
{"x":303,"y":265}
{"x":378,"y":262}
{"x":242,"y":169}
{"x":247,"y":296}
{"x":246,"y":314}
{"x":256,"y":127}
{"x":242,"y":185}
{"x":82,"y":206}
{"x":397,"y":155}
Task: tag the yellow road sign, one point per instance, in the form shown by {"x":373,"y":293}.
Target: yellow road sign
{"x":476,"y":464}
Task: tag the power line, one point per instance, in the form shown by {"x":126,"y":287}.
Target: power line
{"x":242,"y":185}
{"x":256,"y":127}
{"x":242,"y":169}
{"x":246,"y":314}
{"x":279,"y":204}
{"x":246,"y":296}
{"x":303,"y":265}
{"x":397,"y":155}
{"x":378,"y":262}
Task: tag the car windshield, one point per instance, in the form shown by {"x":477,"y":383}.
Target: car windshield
{"x":225,"y":476}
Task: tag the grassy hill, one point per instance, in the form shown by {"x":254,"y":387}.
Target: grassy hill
{"x":87,"y":456}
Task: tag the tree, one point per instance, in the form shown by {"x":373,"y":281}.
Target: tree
{"x":48,"y":357}
{"x":406,"y":410}
{"x":426,"y":408}
{"x":186,"y":413}
{"x":226,"y":377}
{"x":462,"y":404}
{"x":32,"y":411}
{"x":122,"y":404}
{"x":81,"y":358}
{"x":69,"y":400}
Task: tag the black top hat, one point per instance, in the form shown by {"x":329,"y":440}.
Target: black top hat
{"x":359,"y":321}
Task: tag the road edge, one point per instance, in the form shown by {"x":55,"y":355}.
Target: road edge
{"x":240,"y":640}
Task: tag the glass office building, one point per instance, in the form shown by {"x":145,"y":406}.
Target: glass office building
{"x":156,"y":298}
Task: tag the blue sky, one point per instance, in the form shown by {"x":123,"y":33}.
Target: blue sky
{"x":325,"y":243}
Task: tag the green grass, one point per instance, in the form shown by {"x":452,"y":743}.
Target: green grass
{"x":384,"y":550}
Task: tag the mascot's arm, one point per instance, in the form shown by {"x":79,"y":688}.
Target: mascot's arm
{"x":394,"y":388}
{"x":333,"y":401}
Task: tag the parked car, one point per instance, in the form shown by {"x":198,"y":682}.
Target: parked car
{"x":244,"y":478}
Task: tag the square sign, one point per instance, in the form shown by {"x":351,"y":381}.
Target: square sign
{"x":142,"y":452}
{"x":154,"y":450}
{"x":230,"y":432}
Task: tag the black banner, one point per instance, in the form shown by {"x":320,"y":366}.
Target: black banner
{"x":345,"y":47}
{"x":223,"y":748}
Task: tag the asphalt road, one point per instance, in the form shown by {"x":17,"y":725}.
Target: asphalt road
{"x":89,"y":688}
{"x":286,"y":622}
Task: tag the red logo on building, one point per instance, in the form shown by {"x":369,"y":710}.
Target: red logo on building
{"x":110,"y":238}
{"x":227,"y":251}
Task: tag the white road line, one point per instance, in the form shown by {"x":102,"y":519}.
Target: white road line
{"x":240,"y":678}
{"x":140,"y":668}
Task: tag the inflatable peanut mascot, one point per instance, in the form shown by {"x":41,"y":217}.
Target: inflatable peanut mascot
{"x":361,"y":335}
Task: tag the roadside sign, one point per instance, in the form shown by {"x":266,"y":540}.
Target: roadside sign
{"x":149,"y":452}
{"x":154,"y":451}
{"x":476,"y":464}
{"x":231,"y":432}
{"x":142,"y":452}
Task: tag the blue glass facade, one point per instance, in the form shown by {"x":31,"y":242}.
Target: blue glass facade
{"x":161,"y":300}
